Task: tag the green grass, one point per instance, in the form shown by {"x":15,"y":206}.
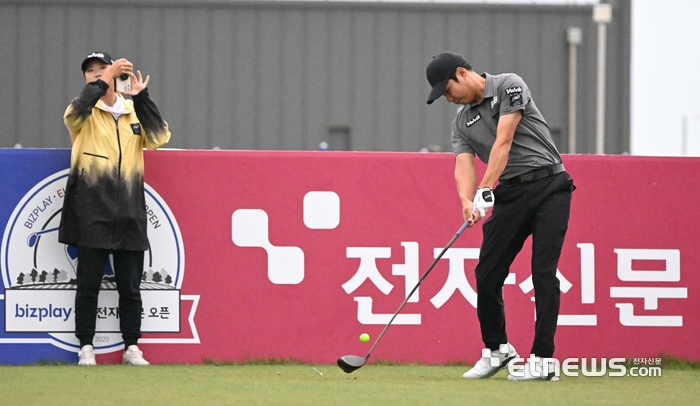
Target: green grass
{"x":266,"y":382}
{"x":671,"y":362}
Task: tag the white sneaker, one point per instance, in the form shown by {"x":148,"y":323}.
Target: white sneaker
{"x":134,"y":356}
{"x":491,"y":362}
{"x":533,"y":370}
{"x":86,"y":355}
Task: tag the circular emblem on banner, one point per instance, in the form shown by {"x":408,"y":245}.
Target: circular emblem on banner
{"x":39,"y":273}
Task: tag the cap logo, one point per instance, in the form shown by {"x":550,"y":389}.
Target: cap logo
{"x":96,"y":55}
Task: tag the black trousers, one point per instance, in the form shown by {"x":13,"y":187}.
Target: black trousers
{"x":128,"y":268}
{"x":541,"y":209}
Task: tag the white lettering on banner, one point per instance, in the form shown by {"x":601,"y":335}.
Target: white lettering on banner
{"x":365,"y":315}
{"x":651,"y":295}
{"x":672,"y":258}
{"x":409,"y":269}
{"x":456,"y":278}
{"x":457,"y":281}
{"x":368,"y":270}
{"x":587,"y":289}
{"x":564,"y":319}
{"x":587,"y":273}
{"x":564,"y":286}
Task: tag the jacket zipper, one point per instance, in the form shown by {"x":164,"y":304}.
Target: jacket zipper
{"x":119,"y":175}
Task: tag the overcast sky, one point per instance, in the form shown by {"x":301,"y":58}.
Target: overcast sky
{"x":665,"y":60}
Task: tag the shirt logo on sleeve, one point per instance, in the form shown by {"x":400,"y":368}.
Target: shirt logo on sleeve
{"x":136,"y":128}
{"x":516,"y":89}
{"x":473,"y":120}
{"x":516,"y":96}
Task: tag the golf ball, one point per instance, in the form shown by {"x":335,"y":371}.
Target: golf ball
{"x":364,"y":337}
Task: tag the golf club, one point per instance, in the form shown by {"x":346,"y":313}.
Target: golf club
{"x":350,"y":363}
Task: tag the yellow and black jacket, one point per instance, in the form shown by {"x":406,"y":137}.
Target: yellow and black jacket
{"x":105,"y":204}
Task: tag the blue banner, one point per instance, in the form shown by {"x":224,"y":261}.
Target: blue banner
{"x":23,"y":181}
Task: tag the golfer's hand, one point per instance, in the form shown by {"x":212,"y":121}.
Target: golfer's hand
{"x":137,"y":83}
{"x":469,"y":214}
{"x":483,"y":200}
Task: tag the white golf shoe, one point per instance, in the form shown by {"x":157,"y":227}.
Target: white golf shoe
{"x":134,"y":356}
{"x":536,"y":369}
{"x":86,"y":355}
{"x":491,"y":362}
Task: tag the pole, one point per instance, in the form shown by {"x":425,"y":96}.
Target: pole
{"x":602,"y":14}
{"x":574,"y":38}
{"x":684,"y":135}
{"x":600,"y":106}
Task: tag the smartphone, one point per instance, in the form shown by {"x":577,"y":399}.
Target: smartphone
{"x":123,"y":83}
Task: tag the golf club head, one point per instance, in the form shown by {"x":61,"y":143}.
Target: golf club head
{"x":350,"y":363}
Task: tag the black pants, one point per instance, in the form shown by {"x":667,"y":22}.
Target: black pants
{"x":541,"y":209}
{"x":128,"y":268}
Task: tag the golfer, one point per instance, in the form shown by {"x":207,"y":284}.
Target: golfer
{"x":501,"y":124}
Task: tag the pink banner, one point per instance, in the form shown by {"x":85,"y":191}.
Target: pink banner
{"x":294,"y":255}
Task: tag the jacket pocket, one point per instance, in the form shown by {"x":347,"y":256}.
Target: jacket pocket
{"x":96,"y":155}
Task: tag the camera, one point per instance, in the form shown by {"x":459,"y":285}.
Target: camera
{"x":123,"y":83}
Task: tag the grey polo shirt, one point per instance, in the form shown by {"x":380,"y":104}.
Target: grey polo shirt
{"x":474,"y":128}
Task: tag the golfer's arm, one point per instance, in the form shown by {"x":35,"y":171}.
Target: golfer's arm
{"x":465,"y":177}
{"x":498,"y":158}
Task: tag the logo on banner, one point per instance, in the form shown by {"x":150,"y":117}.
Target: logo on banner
{"x":39,"y":273}
{"x":285,"y":264}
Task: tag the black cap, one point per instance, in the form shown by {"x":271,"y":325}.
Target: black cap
{"x":101,"y":56}
{"x":439,"y":71}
